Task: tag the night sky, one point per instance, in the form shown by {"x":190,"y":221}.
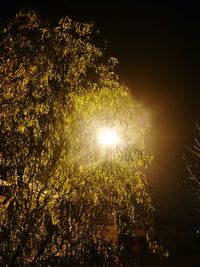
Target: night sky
{"x":158,"y":47}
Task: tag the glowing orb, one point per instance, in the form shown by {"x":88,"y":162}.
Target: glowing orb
{"x":108,"y":137}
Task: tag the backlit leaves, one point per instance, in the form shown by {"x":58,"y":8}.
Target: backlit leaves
{"x":57,"y":88}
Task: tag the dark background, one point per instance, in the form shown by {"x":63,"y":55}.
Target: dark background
{"x":157,"y":45}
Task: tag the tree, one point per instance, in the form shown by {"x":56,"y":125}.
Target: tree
{"x":193,"y":164}
{"x":57,"y":91}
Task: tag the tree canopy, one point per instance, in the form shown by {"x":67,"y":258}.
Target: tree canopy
{"x":58,"y":89}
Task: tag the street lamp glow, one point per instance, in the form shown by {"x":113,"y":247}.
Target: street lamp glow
{"x":108,"y":137}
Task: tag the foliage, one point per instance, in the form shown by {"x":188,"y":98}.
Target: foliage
{"x":57,"y":90}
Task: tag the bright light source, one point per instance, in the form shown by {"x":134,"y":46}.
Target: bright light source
{"x":108,"y":137}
